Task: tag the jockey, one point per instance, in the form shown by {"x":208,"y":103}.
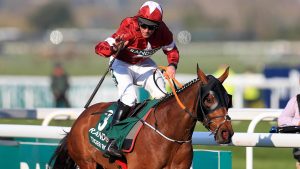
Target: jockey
{"x":138,"y":38}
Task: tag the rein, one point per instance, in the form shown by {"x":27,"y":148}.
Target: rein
{"x":172,"y":86}
{"x":179,"y":103}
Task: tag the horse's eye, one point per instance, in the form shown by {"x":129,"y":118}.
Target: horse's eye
{"x":209,"y":100}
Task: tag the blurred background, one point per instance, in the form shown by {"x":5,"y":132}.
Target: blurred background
{"x":47,"y":57}
{"x":252,"y":37}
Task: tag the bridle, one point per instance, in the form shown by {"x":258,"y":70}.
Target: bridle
{"x":215,"y":87}
{"x":201,"y":112}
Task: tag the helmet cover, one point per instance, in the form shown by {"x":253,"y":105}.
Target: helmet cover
{"x":152,"y":11}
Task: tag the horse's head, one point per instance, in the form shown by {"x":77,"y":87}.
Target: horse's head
{"x":212,"y":106}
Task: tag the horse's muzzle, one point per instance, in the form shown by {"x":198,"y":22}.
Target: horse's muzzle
{"x":224,"y":136}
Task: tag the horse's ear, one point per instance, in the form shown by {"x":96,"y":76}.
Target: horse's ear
{"x":224,"y":75}
{"x":201,"y":75}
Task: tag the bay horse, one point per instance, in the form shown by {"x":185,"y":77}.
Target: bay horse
{"x":165,"y":143}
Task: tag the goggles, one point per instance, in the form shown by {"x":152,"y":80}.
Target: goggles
{"x":149,"y":27}
{"x":147,"y":24}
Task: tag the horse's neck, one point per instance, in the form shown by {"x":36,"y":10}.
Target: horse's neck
{"x":180,"y":121}
{"x":189,"y":96}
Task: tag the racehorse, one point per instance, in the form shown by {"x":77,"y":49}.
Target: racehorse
{"x":166,"y":141}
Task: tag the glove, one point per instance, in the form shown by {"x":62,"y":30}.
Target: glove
{"x":119,"y":44}
{"x":171,"y":71}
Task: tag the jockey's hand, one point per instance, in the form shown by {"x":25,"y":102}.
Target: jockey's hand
{"x":119,"y":44}
{"x":170,"y":72}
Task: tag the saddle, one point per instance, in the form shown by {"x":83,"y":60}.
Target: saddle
{"x":137,"y":108}
{"x":124,"y":132}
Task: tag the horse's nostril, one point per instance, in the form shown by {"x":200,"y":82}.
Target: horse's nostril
{"x":225,"y":135}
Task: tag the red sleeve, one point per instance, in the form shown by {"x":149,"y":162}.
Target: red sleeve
{"x":104,"y":48}
{"x":169,"y":46}
{"x":172,"y":55}
{"x":125,"y":29}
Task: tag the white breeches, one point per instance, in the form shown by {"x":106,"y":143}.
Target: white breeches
{"x":141,"y":74}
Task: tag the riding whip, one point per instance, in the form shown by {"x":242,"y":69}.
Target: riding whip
{"x":102,"y":79}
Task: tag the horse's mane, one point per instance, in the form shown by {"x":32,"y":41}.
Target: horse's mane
{"x":170,"y":95}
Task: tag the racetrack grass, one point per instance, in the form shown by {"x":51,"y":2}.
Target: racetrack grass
{"x":209,"y":57}
{"x":264,"y":158}
{"x":21,"y":121}
{"x":92,"y":64}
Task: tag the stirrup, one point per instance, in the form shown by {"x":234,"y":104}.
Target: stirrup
{"x":112,"y":150}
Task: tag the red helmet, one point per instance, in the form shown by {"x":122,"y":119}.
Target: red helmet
{"x":152,"y":11}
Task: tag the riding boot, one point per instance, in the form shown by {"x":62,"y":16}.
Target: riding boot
{"x":120,"y":113}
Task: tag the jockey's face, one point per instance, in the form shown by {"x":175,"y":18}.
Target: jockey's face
{"x":147,"y":30}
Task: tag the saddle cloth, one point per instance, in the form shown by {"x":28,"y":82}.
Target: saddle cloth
{"x":123,"y":132}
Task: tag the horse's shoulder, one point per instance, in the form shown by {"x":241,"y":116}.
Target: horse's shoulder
{"x":101,"y":105}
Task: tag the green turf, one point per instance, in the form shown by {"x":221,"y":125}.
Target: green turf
{"x":66,"y":123}
{"x":96,"y":65}
{"x":208,"y":56}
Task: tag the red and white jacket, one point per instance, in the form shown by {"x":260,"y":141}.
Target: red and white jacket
{"x":140,"y":48}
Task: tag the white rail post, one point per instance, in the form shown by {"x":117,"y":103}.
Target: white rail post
{"x":51,"y":116}
{"x":275,"y":98}
{"x":33,"y":131}
{"x":238,"y":99}
{"x":251,"y":128}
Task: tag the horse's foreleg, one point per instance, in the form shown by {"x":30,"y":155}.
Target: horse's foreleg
{"x":87,"y":165}
{"x":183,"y":157}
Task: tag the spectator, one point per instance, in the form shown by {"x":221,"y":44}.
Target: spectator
{"x":59,"y":86}
{"x":290,"y":117}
